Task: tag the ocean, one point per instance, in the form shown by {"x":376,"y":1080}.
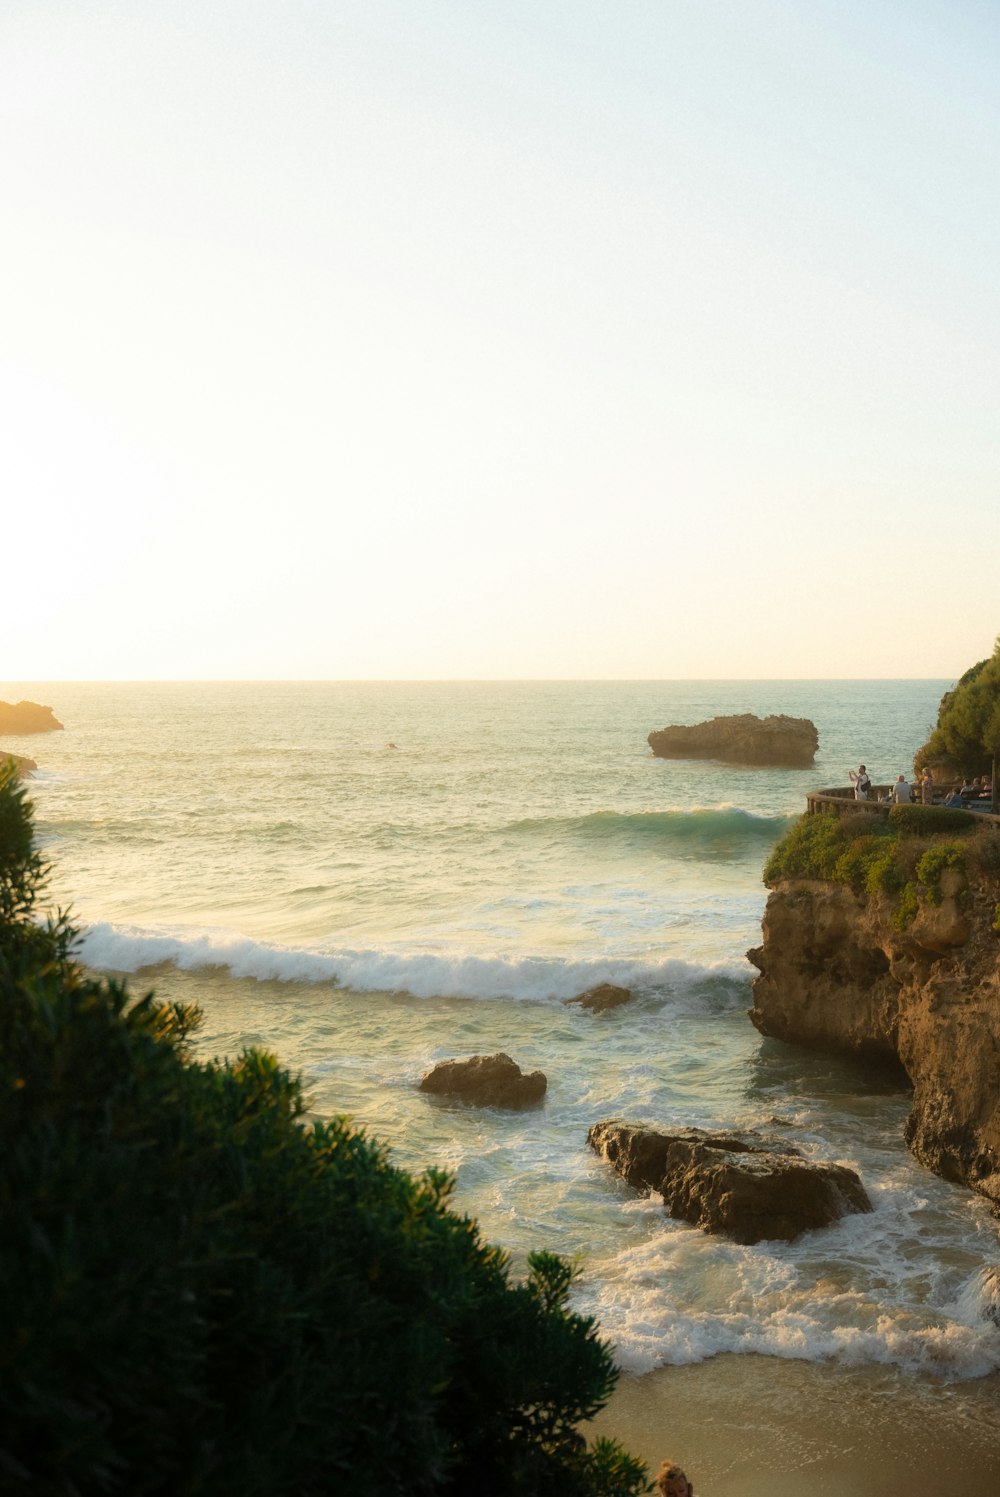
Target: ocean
{"x":368,"y":877}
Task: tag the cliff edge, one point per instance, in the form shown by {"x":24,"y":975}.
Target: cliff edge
{"x":858,"y":971}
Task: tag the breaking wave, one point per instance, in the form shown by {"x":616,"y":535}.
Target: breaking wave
{"x":704,"y":831}
{"x":126,"y":948}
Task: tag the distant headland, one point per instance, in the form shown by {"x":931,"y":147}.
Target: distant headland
{"x":27,"y":717}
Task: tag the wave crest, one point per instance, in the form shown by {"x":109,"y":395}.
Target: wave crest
{"x":125,"y":948}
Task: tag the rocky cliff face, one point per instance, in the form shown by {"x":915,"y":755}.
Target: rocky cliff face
{"x":835,"y":973}
{"x":741,"y":739}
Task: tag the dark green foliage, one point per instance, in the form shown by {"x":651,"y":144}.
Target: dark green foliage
{"x":204,"y":1294}
{"x":967,"y":734}
{"x":925,"y":821}
{"x":985,"y":852}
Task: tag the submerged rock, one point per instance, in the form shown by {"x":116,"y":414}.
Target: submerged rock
{"x":486,"y":1081}
{"x":606,"y":995}
{"x":27,"y":717}
{"x":741,"y":739}
{"x":744,"y":1185}
{"x":989,"y":1283}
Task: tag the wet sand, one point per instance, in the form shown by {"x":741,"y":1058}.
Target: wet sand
{"x":765,"y":1427}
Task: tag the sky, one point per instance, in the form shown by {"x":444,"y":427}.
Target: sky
{"x":360,"y":339}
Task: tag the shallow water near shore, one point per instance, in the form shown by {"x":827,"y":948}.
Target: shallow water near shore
{"x":765,"y":1427}
{"x":365,"y":878}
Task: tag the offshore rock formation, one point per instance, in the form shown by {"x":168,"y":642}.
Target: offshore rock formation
{"x":486,"y":1081}
{"x":747,"y":1186}
{"x":22,"y":765}
{"x":836,"y":973}
{"x":606,"y":995}
{"x":741,"y":739}
{"x":27,"y":717}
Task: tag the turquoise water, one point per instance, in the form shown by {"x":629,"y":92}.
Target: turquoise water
{"x":367,"y":877}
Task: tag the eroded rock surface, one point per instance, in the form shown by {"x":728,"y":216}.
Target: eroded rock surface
{"x":745,"y":1185}
{"x":604,"y":996}
{"x":486,"y":1081}
{"x":27,"y":717}
{"x":836,"y":973}
{"x":741,"y":739}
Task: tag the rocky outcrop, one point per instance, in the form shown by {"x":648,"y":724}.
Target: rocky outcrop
{"x":744,"y":1185}
{"x":836,"y":972}
{"x":21,"y":764}
{"x":741,"y":739}
{"x":606,"y":995}
{"x":27,"y":717}
{"x":486,"y":1081}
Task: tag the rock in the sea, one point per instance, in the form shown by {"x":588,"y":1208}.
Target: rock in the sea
{"x":487,"y":1081}
{"x":744,"y":1185}
{"x":27,"y":717}
{"x":22,"y":765}
{"x":989,"y":1287}
{"x":741,"y":739}
{"x":606,"y":995}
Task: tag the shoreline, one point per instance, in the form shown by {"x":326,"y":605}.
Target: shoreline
{"x":753,"y":1426}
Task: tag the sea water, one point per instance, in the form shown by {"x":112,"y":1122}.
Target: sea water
{"x":368,"y":877}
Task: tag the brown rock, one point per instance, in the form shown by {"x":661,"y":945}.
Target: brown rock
{"x":744,"y":1185}
{"x":741,"y":739}
{"x":21,"y":764}
{"x":27,"y":717}
{"x":486,"y":1081}
{"x":606,"y":995}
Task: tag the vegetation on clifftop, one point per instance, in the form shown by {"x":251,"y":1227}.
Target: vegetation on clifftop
{"x":967,"y":734}
{"x":205,"y":1293}
{"x":903,"y":856}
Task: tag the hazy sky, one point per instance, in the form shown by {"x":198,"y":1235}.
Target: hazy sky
{"x":478,"y":338}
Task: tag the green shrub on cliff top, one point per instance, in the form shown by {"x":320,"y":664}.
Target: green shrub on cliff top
{"x":967,"y":734}
{"x":853,"y":850}
{"x":204,"y":1294}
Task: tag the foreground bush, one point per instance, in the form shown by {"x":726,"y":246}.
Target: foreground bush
{"x":204,"y":1294}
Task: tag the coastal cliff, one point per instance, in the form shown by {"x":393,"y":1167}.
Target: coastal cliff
{"x":907,"y":977}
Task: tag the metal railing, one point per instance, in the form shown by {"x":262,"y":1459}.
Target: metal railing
{"x":840,"y":800}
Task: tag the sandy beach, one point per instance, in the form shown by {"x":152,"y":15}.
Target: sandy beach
{"x":767,"y":1427}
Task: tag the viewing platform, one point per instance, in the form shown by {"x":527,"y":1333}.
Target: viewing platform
{"x":841,"y":799}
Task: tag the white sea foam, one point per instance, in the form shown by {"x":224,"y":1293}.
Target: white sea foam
{"x":682,"y":1297}
{"x":424,"y":974}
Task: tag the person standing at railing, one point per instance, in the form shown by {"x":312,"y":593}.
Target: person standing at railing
{"x":862,"y":782}
{"x":926,"y":788}
{"x":901,"y":791}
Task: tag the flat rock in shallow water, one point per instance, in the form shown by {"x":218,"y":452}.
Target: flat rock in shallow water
{"x":27,"y":717}
{"x":741,"y":738}
{"x":743,"y":1185}
{"x":486,"y":1081}
{"x":606,"y":995}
